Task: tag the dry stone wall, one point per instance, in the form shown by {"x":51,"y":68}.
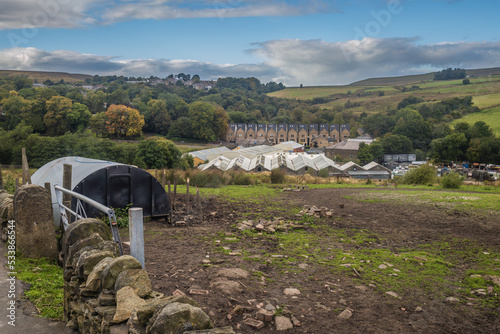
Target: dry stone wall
{"x":108,"y":293}
{"x":6,"y":211}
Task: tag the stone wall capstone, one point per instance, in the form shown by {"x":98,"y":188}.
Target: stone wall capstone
{"x":6,"y":211}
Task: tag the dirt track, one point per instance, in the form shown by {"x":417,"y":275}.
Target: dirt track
{"x":175,"y":260}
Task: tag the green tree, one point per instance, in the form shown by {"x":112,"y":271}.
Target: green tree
{"x":451,"y":147}
{"x":157,"y":117}
{"x":484,"y":150}
{"x":57,"y":118}
{"x":180,"y":128}
{"x":98,"y":124}
{"x":377,"y":150}
{"x":207,"y":121}
{"x":96,"y":101}
{"x":14,"y":107}
{"x":79,"y":117}
{"x":417,"y":130}
{"x":480,"y":130}
{"x":338,"y":119}
{"x":396,"y":144}
{"x":157,"y":152}
{"x":124,"y":121}
{"x":364,"y":153}
{"x":220,"y":122}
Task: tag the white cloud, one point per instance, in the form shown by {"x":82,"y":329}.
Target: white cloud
{"x":310,"y":62}
{"x":22,"y":14}
{"x":29,"y":14}
{"x":74,"y":62}
{"x":165,"y":9}
{"x":317,"y":62}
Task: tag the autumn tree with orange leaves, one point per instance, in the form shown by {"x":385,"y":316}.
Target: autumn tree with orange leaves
{"x":124,"y":121}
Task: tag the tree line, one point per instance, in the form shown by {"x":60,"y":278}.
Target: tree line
{"x":120,"y":109}
{"x":425,"y":129}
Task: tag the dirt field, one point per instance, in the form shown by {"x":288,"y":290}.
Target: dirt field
{"x":425,"y":252}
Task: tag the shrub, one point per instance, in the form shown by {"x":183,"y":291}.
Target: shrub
{"x":324,"y":173}
{"x":452,"y":181}
{"x":278,"y":176}
{"x":209,"y":179}
{"x":241,"y":179}
{"x":425,"y":174}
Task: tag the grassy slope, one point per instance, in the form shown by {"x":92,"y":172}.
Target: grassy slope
{"x":39,"y":76}
{"x":489,"y":116}
{"x":485,"y":90}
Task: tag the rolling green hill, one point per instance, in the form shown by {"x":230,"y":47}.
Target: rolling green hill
{"x":381,"y":94}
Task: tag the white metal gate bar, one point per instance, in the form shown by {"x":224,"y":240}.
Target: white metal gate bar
{"x":80,"y":212}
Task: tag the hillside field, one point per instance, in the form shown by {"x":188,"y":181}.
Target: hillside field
{"x":379,"y":98}
{"x":40,"y":76}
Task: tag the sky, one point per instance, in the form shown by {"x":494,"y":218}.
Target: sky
{"x":295,"y":42}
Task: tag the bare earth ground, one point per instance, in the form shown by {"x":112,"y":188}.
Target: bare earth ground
{"x":174,"y":260}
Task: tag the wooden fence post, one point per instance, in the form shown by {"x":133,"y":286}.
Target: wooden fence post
{"x":67,"y":174}
{"x":163,"y":178}
{"x":198,"y":200}
{"x":175,"y":191}
{"x":26,"y":169}
{"x":169,"y":201}
{"x":1,"y":179}
{"x":136,"y":232}
{"x":187,"y":195}
{"x":47,"y":186}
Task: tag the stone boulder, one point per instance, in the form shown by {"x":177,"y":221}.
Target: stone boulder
{"x":89,"y":259}
{"x":221,"y":330}
{"x":92,"y":240}
{"x":233,"y":273}
{"x":226,"y":286}
{"x":126,"y":302}
{"x":82,"y":229}
{"x":178,"y":317}
{"x":115,"y":267}
{"x":146,"y":312}
{"x":105,"y":246}
{"x":138,"y":279}
{"x":35,"y":230}
{"x":94,"y":279}
{"x":6,"y":206}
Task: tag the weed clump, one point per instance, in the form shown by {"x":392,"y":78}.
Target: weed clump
{"x":241,"y":179}
{"x":424,"y":175}
{"x":210,"y":179}
{"x":278,"y":176}
{"x":452,"y":181}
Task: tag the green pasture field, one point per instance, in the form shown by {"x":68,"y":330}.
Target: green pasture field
{"x":489,"y":116}
{"x":486,"y":101}
{"x":308,"y":93}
